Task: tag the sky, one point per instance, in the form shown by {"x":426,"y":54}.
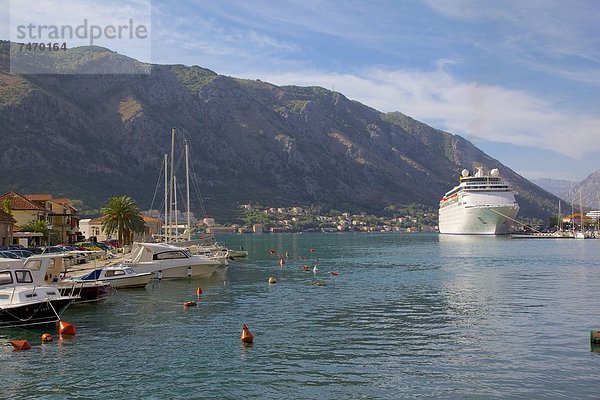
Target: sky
{"x":519,"y":79}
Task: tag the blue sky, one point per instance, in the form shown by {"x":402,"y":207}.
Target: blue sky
{"x":518,"y":78}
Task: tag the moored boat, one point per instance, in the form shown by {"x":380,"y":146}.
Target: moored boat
{"x":119,"y":276}
{"x":168,"y":262}
{"x":479,"y":205}
{"x":23,"y":302}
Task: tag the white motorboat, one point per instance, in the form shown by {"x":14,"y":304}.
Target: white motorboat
{"x":168,"y":262}
{"x":119,"y":276}
{"x":25,"y":302}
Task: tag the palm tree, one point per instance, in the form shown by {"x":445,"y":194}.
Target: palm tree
{"x":122,"y":215}
{"x":41,"y":227}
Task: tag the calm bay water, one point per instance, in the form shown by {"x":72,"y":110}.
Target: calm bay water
{"x":410,"y":315}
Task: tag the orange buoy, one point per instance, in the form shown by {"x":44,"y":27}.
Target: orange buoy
{"x":20,"y":344}
{"x":65,"y":328}
{"x":247,"y":336}
{"x":272,"y":251}
{"x":189,"y":304}
{"x":46,"y":337}
{"x":199,"y":291}
{"x":332,"y":273}
{"x":306,"y":268}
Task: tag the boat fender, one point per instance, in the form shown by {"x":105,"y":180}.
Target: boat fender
{"x":65,"y":328}
{"x":247,"y":336}
{"x":20,"y":344}
{"x":46,"y":337}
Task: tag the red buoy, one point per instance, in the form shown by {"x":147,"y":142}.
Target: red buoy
{"x":65,"y":328}
{"x":247,"y":336}
{"x":199,"y":291}
{"x":272,"y":251}
{"x":20,"y":344}
{"x":306,"y":268}
{"x":46,"y":337}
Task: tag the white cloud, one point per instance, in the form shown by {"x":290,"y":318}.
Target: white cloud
{"x":472,"y":110}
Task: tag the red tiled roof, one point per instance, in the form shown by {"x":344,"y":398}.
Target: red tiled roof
{"x":20,"y":202}
{"x":151,"y":219}
{"x":98,"y":220}
{"x":38,"y":197}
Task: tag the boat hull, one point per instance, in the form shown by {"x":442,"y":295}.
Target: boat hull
{"x":35,"y":313}
{"x":87,"y":291}
{"x":130,"y":282}
{"x":193,"y":271}
{"x":478,"y":220}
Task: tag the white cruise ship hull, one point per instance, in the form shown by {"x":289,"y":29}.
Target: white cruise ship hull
{"x":460,"y":219}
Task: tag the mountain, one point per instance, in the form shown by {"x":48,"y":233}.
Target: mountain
{"x":558,"y":187}
{"x":91,"y":137}
{"x":569,"y":191}
{"x":590,"y":191}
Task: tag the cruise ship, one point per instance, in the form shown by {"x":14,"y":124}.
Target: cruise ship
{"x":479,"y":205}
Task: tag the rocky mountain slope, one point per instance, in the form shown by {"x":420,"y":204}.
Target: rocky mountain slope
{"x":91,"y":137}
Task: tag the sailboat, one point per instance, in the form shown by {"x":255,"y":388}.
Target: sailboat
{"x":171,"y":229}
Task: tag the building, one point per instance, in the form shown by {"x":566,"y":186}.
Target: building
{"x":221,"y":229}
{"x":61,"y":215}
{"x":94,"y":228}
{"x":153,"y":226}
{"x":6,"y":229}
{"x":257,"y":228}
{"x":23,"y":210}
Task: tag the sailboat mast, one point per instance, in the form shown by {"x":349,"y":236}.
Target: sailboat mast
{"x":172,"y":176}
{"x":559,"y":221}
{"x":175,"y":204}
{"x":187,"y":189}
{"x":166,"y":200}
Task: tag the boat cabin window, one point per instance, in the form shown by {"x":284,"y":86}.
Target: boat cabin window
{"x":168,"y":255}
{"x":23,"y":276}
{"x":130,"y":271}
{"x":33,"y":265}
{"x":5,"y":278}
{"x":51,"y":293}
{"x":4,"y":297}
{"x":114,"y":272}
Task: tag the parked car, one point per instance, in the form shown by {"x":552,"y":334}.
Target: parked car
{"x":8,"y":254}
{"x":22,"y":253}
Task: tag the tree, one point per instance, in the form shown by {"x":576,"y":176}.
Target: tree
{"x":7,"y":207}
{"x":50,"y":236}
{"x":122,"y":215}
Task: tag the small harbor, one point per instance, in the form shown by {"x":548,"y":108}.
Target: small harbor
{"x":383,"y":316}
